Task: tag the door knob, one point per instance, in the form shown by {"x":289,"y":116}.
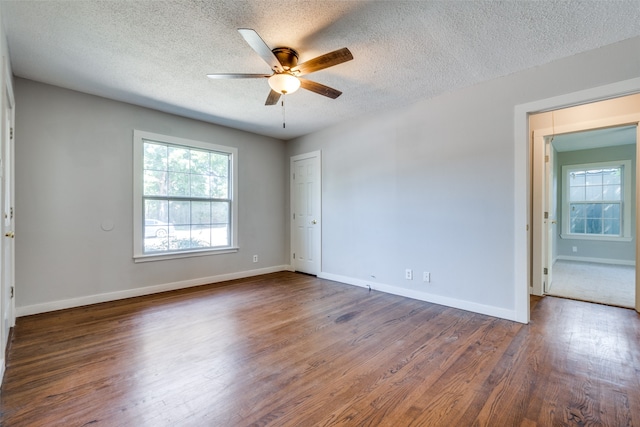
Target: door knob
{"x":10,"y":234}
{"x":314,"y":222}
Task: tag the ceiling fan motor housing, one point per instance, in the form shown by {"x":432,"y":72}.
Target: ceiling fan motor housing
{"x":288,"y":57}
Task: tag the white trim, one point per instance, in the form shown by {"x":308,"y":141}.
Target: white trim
{"x":598,"y":237}
{"x":139,"y":137}
{"x":596,"y":260}
{"x":148,"y":290}
{"x":188,"y":254}
{"x":522,"y":187}
{"x":422,"y":296}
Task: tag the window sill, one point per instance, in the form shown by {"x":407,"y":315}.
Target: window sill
{"x":597,"y":238}
{"x":176,"y":255}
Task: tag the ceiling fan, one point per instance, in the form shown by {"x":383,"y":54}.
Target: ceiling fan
{"x":286,"y":70}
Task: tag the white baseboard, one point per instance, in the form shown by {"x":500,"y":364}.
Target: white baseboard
{"x":423,"y":296}
{"x":596,"y":260}
{"x":148,"y":290}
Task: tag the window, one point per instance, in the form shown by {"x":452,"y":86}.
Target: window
{"x":185,"y":200}
{"x":596,"y":200}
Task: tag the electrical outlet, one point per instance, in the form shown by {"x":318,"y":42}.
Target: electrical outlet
{"x":575,"y":249}
{"x":408,"y":274}
{"x":426,"y":276}
{"x":255,"y":258}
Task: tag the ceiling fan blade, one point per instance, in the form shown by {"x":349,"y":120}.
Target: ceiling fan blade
{"x":323,"y":61}
{"x":320,"y":88}
{"x":261,"y":48}
{"x":273,"y":98}
{"x":237,"y":76}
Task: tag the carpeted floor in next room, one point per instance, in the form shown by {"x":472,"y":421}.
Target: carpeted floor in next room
{"x":587,"y":281}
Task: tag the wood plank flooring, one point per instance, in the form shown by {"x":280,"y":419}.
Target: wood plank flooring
{"x":287,"y":349}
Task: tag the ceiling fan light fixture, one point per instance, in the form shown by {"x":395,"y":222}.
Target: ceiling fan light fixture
{"x":284,"y":83}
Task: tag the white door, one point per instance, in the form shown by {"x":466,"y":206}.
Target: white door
{"x":539,"y":228}
{"x":550,"y":208}
{"x":306,"y":218}
{"x":7,"y":223}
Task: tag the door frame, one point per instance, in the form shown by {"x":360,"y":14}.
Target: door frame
{"x":7,"y":110}
{"x":292,"y":198}
{"x":522,"y":180}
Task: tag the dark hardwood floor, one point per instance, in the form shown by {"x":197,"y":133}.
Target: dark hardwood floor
{"x":287,"y":349}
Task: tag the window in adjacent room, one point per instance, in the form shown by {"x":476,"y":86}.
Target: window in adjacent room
{"x":597,"y":200}
{"x":184,"y":197}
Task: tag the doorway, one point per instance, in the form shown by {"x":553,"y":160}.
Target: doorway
{"x":306,"y":213}
{"x":574,"y":149}
{"x":589,"y":192}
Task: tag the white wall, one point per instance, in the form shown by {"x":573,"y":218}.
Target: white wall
{"x":74,"y":170}
{"x":430,"y":187}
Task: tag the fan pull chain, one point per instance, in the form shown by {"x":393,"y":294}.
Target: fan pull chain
{"x":283,"y":112}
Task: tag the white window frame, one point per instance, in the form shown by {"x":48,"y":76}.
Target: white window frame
{"x":625,"y":226}
{"x":139,"y":137}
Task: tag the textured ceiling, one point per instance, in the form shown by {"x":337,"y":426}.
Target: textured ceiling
{"x":157,"y":53}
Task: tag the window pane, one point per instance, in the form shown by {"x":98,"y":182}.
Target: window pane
{"x":200,"y":162}
{"x":594,"y":210}
{"x":201,"y":213}
{"x":180,"y":212}
{"x":578,"y":210}
{"x":577,"y":194}
{"x":220,"y":213}
{"x":179,"y":184}
{"x":577,"y":179}
{"x":612,"y":227}
{"x":156,"y":210}
{"x":611,"y":176}
{"x":611,"y":210}
{"x":179,"y":159}
{"x":611,"y":192}
{"x":201,"y":236}
{"x":200,"y":186}
{"x":594,"y":177}
{"x":182,"y":239}
{"x":219,"y":164}
{"x":594,"y":226}
{"x":594,"y":193}
{"x":219,"y":187}
{"x":155,"y":156}
{"x":155,"y":183}
{"x":578,"y":225}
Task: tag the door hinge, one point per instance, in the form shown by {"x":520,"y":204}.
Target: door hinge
{"x":545,"y":270}
{"x":546,"y":159}
{"x":546,"y":215}
{"x":10,"y":133}
{"x":294,"y":255}
{"x":294,"y":176}
{"x":12,"y":291}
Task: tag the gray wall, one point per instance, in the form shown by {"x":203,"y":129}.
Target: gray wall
{"x":604,"y":250}
{"x":430,"y":186}
{"x":74,"y":170}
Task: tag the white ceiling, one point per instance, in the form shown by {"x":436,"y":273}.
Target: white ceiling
{"x":156,"y":53}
